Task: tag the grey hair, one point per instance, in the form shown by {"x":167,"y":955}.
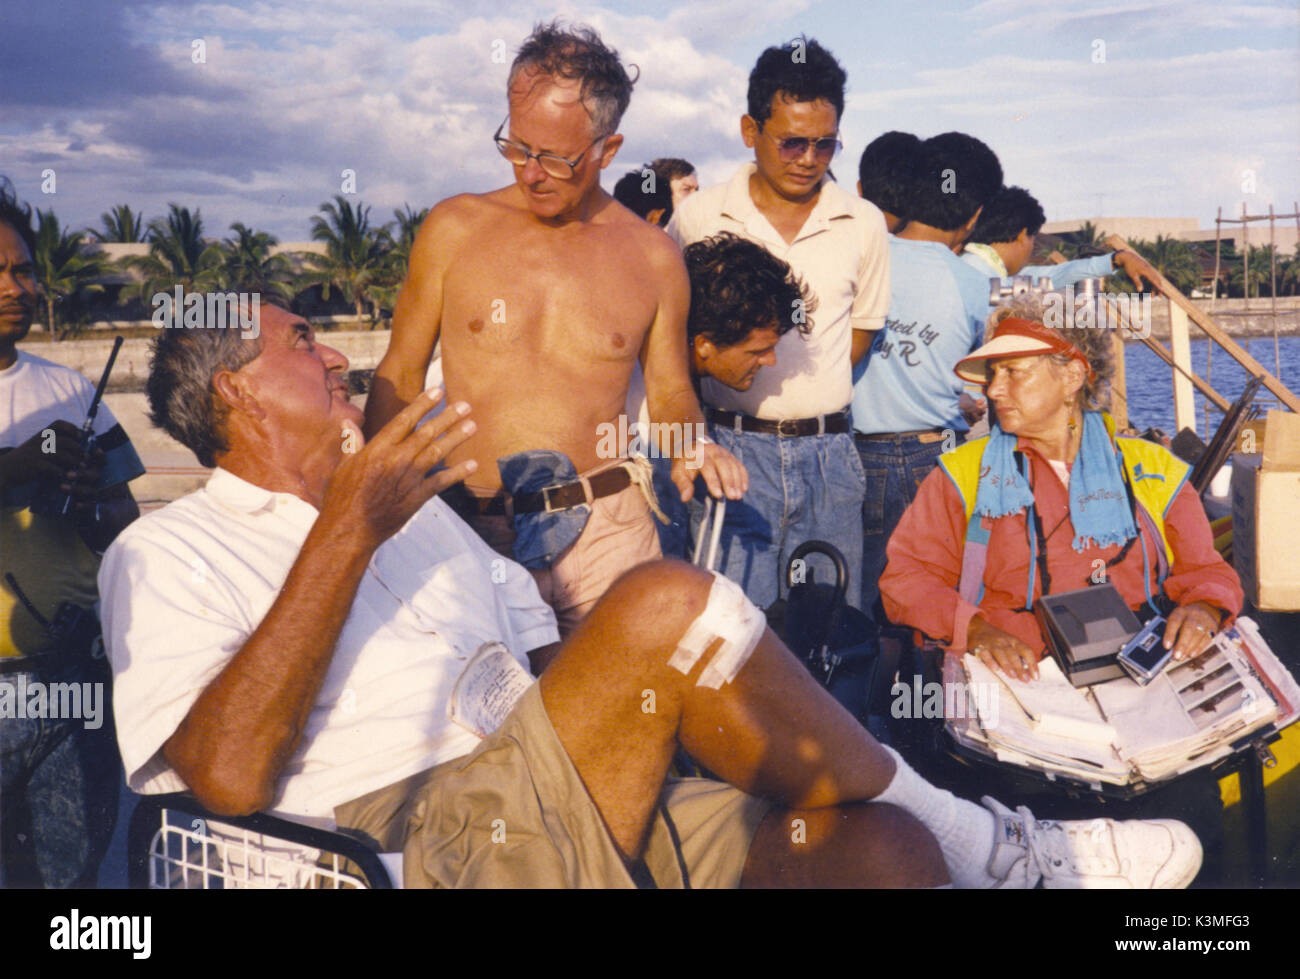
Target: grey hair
{"x":1098,"y":345}
{"x":579,"y":53}
{"x":182,"y":401}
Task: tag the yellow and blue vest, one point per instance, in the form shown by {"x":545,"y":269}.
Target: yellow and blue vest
{"x":1153,"y":473}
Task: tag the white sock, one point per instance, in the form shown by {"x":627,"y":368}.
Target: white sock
{"x":963,"y":829}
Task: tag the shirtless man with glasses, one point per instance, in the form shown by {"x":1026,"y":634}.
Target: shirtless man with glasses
{"x":545,"y":294}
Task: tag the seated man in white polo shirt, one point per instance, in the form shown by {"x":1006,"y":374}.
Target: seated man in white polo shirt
{"x":313,"y":633}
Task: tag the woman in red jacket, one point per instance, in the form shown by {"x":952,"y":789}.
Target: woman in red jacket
{"x":1051,"y":501}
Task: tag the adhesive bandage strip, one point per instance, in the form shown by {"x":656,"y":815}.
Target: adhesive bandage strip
{"x":728,"y":616}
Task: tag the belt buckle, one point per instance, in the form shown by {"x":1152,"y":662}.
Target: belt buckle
{"x":547,"y":506}
{"x":780,"y":427}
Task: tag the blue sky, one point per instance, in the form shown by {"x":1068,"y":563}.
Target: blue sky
{"x":1192,"y":98}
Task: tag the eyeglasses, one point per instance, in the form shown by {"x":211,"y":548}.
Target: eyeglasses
{"x":553,"y":164}
{"x":793,"y":147}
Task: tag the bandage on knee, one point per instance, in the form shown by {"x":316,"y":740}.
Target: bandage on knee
{"x":728,"y":616}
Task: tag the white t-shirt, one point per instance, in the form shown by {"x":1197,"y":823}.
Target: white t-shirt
{"x":35,"y":392}
{"x":184,"y":587}
{"x":842,"y":255}
{"x":1062,"y":470}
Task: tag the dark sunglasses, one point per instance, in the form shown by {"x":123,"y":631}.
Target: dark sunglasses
{"x":793,"y":147}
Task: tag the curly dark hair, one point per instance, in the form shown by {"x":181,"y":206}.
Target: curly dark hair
{"x":888,"y":170}
{"x":579,"y":53}
{"x":630,"y":191}
{"x":958,"y":175}
{"x":801,"y":69}
{"x":737,"y":287}
{"x":17,"y":215}
{"x":1013,"y":210}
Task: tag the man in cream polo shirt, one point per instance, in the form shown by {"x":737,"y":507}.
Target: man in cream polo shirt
{"x":791,"y":428}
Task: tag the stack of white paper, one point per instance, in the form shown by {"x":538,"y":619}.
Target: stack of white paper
{"x":1035,"y":725}
{"x":1120,"y":733}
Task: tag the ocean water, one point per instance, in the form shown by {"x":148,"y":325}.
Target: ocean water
{"x":1151,"y":389}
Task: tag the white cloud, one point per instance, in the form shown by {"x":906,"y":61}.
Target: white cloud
{"x":408,"y":93}
{"x":724,"y":21}
{"x":1010,"y":17}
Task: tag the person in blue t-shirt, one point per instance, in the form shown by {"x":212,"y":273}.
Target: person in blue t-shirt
{"x":908,"y":405}
{"x":887,"y":174}
{"x":1003,"y":240}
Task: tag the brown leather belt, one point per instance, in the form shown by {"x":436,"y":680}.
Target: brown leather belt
{"x":836,"y":424}
{"x":558,"y":497}
{"x":921,"y":434}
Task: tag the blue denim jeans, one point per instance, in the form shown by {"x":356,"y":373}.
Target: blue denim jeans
{"x":59,"y":783}
{"x":894,"y":469}
{"x":675,"y":536}
{"x":540,"y":538}
{"x":803,"y":488}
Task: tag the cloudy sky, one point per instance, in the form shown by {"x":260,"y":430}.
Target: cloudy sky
{"x":1160,"y":108}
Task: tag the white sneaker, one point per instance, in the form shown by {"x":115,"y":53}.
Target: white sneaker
{"x":1090,"y":853}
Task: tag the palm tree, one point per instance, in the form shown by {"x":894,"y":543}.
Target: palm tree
{"x":1288,"y":274}
{"x":1083,"y":243}
{"x":247,"y":263}
{"x":1259,"y":278}
{"x":1172,"y":257}
{"x":1261,"y":268}
{"x":356,"y":258}
{"x":1229,"y":268}
{"x":408,"y":223}
{"x":120,"y":224}
{"x":178,"y":255}
{"x":66,"y":276}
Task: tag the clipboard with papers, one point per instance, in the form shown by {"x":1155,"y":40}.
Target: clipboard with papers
{"x":1120,"y":738}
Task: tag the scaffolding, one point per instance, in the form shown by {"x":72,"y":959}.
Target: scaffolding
{"x":1244,"y":221}
{"x":1181,"y":310}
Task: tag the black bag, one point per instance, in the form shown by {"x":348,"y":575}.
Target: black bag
{"x":74,"y":632}
{"x":836,"y":642}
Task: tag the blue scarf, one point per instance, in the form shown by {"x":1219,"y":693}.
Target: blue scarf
{"x":1099,"y":507}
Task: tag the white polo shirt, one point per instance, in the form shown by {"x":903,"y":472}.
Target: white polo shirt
{"x":184,"y":587}
{"x":842,"y":255}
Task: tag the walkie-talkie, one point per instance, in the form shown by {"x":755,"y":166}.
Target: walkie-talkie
{"x":54,"y":502}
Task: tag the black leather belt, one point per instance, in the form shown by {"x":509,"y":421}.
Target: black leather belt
{"x":924,"y":434}
{"x":558,"y":497}
{"x":836,"y":424}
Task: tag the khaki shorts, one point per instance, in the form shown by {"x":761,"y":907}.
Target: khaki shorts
{"x":514,"y":813}
{"x":620,"y":534}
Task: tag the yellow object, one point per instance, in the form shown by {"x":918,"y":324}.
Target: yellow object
{"x":52,"y":565}
{"x":1282,"y":804}
{"x":963,"y":467}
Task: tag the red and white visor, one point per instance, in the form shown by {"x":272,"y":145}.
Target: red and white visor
{"x":1015,"y":337}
